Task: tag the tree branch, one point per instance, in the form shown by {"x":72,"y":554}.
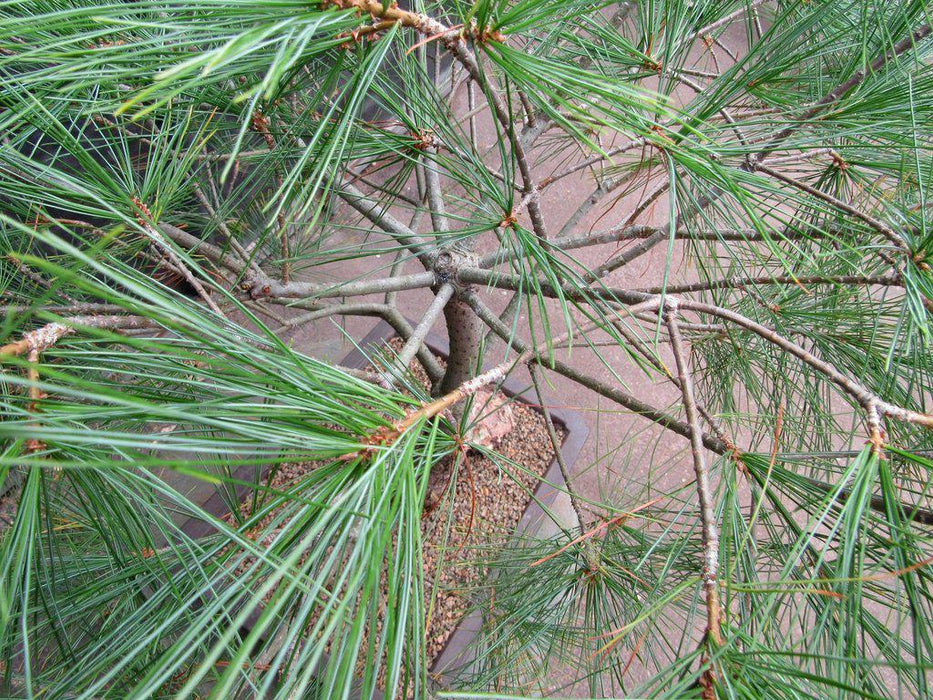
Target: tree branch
{"x":357,"y":309}
{"x":612,"y":393}
{"x":45,"y":337}
{"x":264,"y":287}
{"x":843,"y":89}
{"x":895,"y":238}
{"x":515,"y":283}
{"x":379,"y":215}
{"x":157,"y":237}
{"x":416,"y":339}
{"x":400,"y":324}
{"x":864,"y":396}
{"x":530,"y":188}
{"x":704,"y":489}
{"x":738,"y":283}
{"x":727,"y":20}
{"x":535,"y":370}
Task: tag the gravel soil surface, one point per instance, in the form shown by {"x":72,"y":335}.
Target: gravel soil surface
{"x":8,"y":505}
{"x":470,"y":508}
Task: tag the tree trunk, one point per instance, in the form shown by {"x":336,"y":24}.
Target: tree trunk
{"x":465,"y":330}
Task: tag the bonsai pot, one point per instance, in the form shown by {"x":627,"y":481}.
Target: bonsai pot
{"x":455,"y":654}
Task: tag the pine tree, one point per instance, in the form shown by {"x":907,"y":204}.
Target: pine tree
{"x":176,"y":174}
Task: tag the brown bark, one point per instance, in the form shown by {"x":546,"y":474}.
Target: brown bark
{"x":465,"y":331}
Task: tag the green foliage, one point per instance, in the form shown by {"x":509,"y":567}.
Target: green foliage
{"x":217,"y":138}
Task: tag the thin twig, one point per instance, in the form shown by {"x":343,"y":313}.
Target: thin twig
{"x":432,"y":183}
{"x":724,"y":21}
{"x":170,"y":253}
{"x":895,"y":238}
{"x":589,"y":162}
{"x":535,"y":370}
{"x":224,"y":229}
{"x":469,"y":61}
{"x":260,"y":124}
{"x":802,"y":281}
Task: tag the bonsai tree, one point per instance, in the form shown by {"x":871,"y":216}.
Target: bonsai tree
{"x":185,"y":184}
